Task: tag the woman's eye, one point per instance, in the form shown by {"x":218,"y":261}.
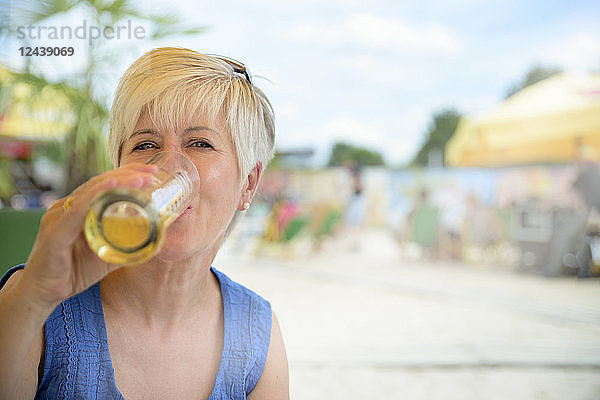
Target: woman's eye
{"x":144,"y":146}
{"x":202,"y":144}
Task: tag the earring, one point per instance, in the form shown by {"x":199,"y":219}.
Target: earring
{"x":246,"y":206}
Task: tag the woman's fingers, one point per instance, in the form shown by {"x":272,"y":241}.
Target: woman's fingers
{"x":69,"y":213}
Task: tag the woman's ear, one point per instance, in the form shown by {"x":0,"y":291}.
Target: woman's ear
{"x":250,"y":186}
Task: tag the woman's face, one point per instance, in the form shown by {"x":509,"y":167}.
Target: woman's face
{"x":210,"y":148}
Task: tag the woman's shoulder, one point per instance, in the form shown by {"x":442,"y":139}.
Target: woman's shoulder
{"x":246,"y":312}
{"x":238,"y":292}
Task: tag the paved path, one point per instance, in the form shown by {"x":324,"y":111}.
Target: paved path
{"x":371,"y":325}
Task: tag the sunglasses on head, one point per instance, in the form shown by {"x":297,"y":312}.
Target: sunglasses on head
{"x":237,"y":66}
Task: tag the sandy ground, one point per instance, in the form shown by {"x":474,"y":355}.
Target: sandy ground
{"x":371,"y":324}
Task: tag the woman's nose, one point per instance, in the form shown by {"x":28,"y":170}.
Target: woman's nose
{"x":172,"y":146}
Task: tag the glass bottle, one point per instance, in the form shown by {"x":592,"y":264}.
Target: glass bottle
{"x":127,"y":226}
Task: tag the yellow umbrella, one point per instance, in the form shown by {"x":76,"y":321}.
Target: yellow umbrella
{"x":555,"y":120}
{"x":44,"y":115}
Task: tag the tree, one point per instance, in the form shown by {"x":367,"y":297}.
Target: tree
{"x":343,"y":153}
{"x":440,"y":130}
{"x":85,"y":145}
{"x":534,"y":75}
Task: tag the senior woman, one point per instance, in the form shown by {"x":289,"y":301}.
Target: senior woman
{"x":173,"y":327}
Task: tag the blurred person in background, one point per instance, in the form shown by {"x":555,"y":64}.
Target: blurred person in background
{"x":570,"y":244}
{"x":452,"y":217}
{"x":173,"y":327}
{"x":356,"y":209}
{"x":423,"y":221}
{"x":587,"y":184}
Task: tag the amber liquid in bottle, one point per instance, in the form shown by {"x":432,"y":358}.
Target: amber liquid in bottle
{"x":127,"y":226}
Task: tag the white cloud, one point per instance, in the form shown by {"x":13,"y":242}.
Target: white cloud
{"x":580,"y":51}
{"x":353,"y":130}
{"x":372,"y":69}
{"x":344,"y":128}
{"x":372,"y":31}
{"x":285,"y":109}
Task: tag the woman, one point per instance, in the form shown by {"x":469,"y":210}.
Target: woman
{"x":174,"y":327}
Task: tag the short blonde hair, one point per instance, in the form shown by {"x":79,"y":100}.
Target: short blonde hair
{"x":172,"y":84}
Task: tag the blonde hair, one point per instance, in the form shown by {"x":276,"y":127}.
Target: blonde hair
{"x":171,"y":84}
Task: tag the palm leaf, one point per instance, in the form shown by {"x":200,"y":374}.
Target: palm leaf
{"x":29,"y":12}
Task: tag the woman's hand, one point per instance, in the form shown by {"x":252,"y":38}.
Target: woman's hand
{"x":61,"y":264}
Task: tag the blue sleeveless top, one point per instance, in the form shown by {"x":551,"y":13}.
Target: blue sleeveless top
{"x":77,"y":360}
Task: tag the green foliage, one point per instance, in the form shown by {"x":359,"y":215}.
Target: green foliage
{"x":534,"y":75}
{"x":440,"y":130}
{"x":31,"y":12}
{"x":343,"y":153}
{"x":169,"y":24}
{"x":52,"y":150}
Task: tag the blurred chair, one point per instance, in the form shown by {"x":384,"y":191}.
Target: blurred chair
{"x":328,"y":224}
{"x":425,"y":225}
{"x":294,"y":227}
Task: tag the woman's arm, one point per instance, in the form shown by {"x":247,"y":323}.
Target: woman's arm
{"x":274,"y":381}
{"x":21,"y":339}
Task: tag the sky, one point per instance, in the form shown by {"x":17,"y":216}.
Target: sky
{"x":370,"y":73}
